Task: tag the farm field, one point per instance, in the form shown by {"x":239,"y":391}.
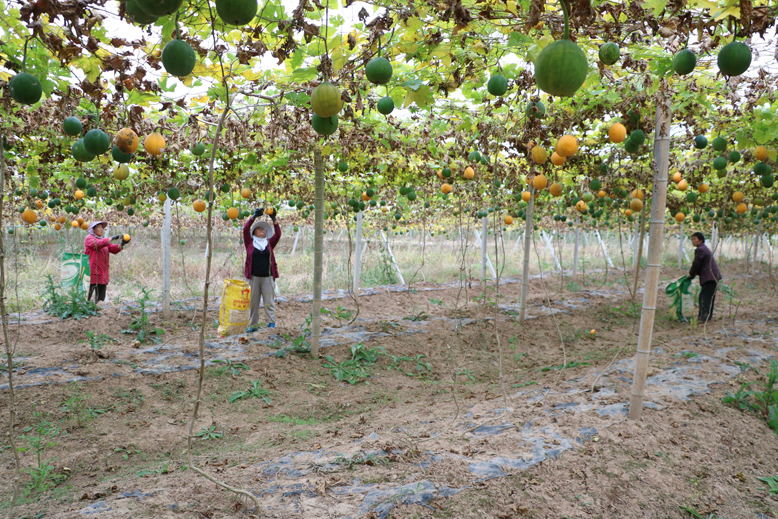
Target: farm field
{"x":359,"y":259}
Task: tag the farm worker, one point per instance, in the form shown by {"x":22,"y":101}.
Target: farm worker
{"x":704,"y":266}
{"x":260,"y":238}
{"x":98,"y":249}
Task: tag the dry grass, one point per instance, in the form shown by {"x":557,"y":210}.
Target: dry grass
{"x":34,"y":254}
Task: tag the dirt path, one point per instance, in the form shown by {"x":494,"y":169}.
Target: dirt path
{"x":449,"y":424}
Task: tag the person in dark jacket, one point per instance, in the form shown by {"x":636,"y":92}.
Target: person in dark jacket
{"x":260,"y":238}
{"x":704,"y":266}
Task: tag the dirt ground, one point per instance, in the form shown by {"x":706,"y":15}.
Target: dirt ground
{"x":462,"y":391}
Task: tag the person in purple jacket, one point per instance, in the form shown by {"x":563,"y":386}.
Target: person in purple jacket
{"x":704,"y":266}
{"x":260,"y":269}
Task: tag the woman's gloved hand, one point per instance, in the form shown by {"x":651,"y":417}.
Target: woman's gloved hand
{"x":273,"y":216}
{"x":114,"y":238}
{"x":125,"y":242}
{"x":258,"y":212}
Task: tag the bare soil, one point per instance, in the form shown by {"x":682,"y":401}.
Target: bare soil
{"x":122,"y":434}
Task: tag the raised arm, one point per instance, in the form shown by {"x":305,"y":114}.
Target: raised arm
{"x":699,"y":257}
{"x":247,"y":229}
{"x":276,"y":234}
{"x":95,"y":243}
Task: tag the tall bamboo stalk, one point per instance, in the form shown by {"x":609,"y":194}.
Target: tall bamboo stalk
{"x":527,"y":244}
{"x":641,"y":235}
{"x":318,"y":245}
{"x":656,"y":235}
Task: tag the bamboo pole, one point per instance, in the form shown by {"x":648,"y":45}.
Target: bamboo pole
{"x":318,"y":245}
{"x":641,"y":232}
{"x":527,"y":243}
{"x":656,"y":235}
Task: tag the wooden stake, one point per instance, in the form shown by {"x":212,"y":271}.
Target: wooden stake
{"x":656,"y":236}
{"x":318,"y":245}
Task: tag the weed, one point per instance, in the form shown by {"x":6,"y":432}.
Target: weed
{"x":370,"y":459}
{"x":421,"y":368}
{"x":72,"y":304}
{"x":688,"y":354}
{"x":164,"y":469}
{"x":421,"y":316}
{"x":744,"y":366}
{"x":356,"y":369}
{"x":763,"y":402}
{"x":255,"y":390}
{"x":524,"y":384}
{"x":76,"y":408}
{"x":170,"y":390}
{"x":209,"y":433}
{"x":340,"y":313}
{"x":140,"y":325}
{"x":127,"y":452}
{"x":227,"y":367}
{"x":771,"y":482}
{"x":573,"y":364}
{"x":300,"y":344}
{"x":37,"y":439}
{"x":697,"y":515}
{"x":132,"y":398}
{"x":438,"y":302}
{"x":467,"y":373}
{"x":96,"y":342}
{"x":14,"y":365}
{"x":293,"y":420}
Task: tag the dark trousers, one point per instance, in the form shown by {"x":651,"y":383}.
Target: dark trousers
{"x":707,"y":298}
{"x":98,"y":291}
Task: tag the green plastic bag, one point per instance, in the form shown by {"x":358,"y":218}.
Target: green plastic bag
{"x":73,"y":268}
{"x":676,"y":290}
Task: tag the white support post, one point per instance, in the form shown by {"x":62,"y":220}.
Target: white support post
{"x":358,"y":253}
{"x":484,"y":230}
{"x":550,"y":247}
{"x":486,"y":261}
{"x":576,"y":247}
{"x":391,"y":257}
{"x":681,"y":252}
{"x":714,"y":238}
{"x":165,"y":238}
{"x":296,"y":237}
{"x":603,"y":248}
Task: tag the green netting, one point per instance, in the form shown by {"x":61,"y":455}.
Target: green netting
{"x":676,"y":290}
{"x":73,"y":268}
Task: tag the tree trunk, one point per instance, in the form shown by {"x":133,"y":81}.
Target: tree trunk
{"x":527,"y":244}
{"x":656,"y":236}
{"x":318,"y":242}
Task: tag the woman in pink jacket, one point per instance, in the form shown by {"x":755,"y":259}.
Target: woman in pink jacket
{"x":98,"y":249}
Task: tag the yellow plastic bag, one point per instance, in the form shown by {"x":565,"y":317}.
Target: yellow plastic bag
{"x":234,"y":309}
